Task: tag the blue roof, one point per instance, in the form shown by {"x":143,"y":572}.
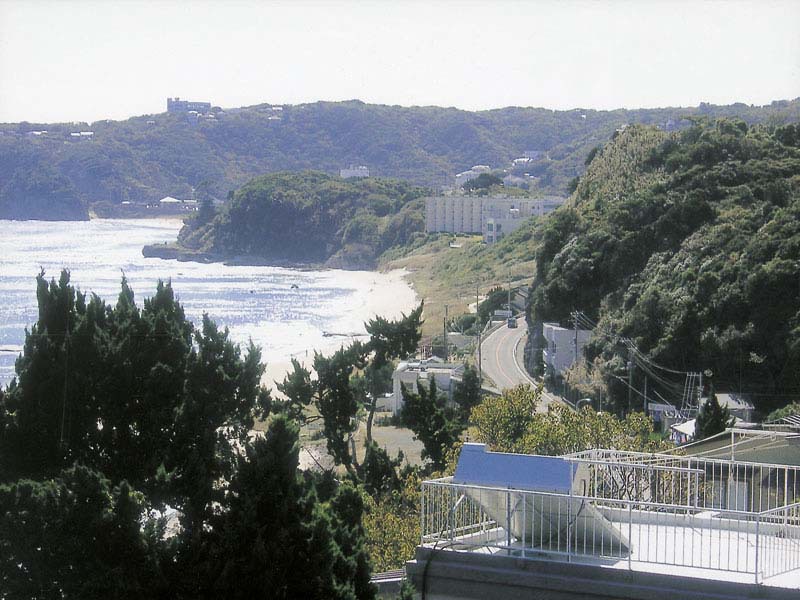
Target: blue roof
{"x":477,"y":466}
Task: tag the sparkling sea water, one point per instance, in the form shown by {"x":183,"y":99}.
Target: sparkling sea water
{"x":285,"y":311}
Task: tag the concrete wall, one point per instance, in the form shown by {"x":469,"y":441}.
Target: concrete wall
{"x":448,"y":575}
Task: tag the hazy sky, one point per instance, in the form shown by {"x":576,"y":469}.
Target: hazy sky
{"x":82,"y":60}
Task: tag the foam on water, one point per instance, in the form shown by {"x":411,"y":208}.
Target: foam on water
{"x":258,"y":303}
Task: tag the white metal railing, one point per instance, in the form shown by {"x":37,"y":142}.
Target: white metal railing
{"x":588,"y":528}
{"x":718,"y":484}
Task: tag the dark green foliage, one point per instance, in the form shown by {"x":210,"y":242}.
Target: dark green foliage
{"x":311,"y":217}
{"x":279,"y":539}
{"x":339,"y":394}
{"x":77,"y":536}
{"x":711,"y":418}
{"x":690,"y":245}
{"x":43,"y":194}
{"x":484,"y":181}
{"x":789,"y":410}
{"x":205,"y":212}
{"x":464,"y":323}
{"x":378,"y":472}
{"x":467,"y":394}
{"x":496,"y":299}
{"x":433,"y":422}
{"x":406,"y":591}
{"x":144,"y":158}
{"x":154,"y":412}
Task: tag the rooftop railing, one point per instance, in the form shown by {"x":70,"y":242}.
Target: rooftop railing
{"x":659,"y":511}
{"x":708,"y":483}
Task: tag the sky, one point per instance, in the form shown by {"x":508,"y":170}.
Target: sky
{"x":72,"y":60}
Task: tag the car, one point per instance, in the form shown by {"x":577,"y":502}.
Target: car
{"x":512,"y":323}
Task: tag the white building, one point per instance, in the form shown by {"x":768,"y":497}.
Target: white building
{"x":411,"y":374}
{"x":354,"y":171}
{"x":453,"y":214}
{"x":561,"y":351}
{"x":465,"y":176}
{"x":492,"y":217}
{"x":738,"y":406}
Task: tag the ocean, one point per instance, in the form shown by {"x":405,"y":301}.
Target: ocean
{"x":287,"y":312}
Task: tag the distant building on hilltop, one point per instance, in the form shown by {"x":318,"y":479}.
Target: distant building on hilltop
{"x":176,"y":105}
{"x":473,"y":173}
{"x":534,"y":154}
{"x":354,"y":171}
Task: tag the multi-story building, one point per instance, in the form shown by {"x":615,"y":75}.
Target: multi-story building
{"x":453,"y":214}
{"x":492,"y":217}
{"x":176,"y":105}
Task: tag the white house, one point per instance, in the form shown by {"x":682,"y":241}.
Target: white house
{"x":561,"y":350}
{"x":354,"y":171}
{"x":412,"y":374}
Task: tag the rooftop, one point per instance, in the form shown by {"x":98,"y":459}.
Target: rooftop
{"x":679,"y":516}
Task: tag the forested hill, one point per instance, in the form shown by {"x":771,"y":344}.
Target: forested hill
{"x":308,"y":217}
{"x":689,"y":244}
{"x":146,"y":158}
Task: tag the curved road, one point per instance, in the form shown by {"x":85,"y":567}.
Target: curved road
{"x":502,"y":354}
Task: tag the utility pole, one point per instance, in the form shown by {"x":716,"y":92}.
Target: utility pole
{"x":480,"y":331}
{"x":509,"y":291}
{"x":630,"y":376}
{"x":575,"y":325}
{"x":645,"y":395}
{"x":444,"y":332}
{"x":700,"y":391}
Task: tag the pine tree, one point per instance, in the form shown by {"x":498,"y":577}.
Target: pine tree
{"x":467,"y":394}
{"x":434,"y":423}
{"x":711,"y":418}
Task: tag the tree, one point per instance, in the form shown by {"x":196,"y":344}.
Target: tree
{"x":434,"y":423}
{"x":711,"y":418}
{"x":339,"y":394}
{"x":77,"y":536}
{"x":502,"y":421}
{"x":467,"y":394}
{"x":279,"y":538}
{"x":484,"y":181}
{"x":510,"y":423}
{"x":389,"y":340}
{"x":205,"y":212}
{"x":157,"y":402}
{"x":391,"y":523}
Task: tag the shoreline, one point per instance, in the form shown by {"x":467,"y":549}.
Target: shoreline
{"x":388,"y":299}
{"x":171,"y":251}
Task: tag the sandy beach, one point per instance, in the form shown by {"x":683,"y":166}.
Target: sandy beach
{"x":387,"y":294}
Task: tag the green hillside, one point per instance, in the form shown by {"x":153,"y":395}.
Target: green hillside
{"x":688,"y":244}
{"x":145,"y":158}
{"x":310,"y":217}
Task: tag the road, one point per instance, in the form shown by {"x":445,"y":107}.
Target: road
{"x":503,"y":353}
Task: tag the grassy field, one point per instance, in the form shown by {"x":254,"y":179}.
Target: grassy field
{"x":444,"y":274}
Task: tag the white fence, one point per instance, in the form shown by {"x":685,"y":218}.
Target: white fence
{"x":649,"y":509}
